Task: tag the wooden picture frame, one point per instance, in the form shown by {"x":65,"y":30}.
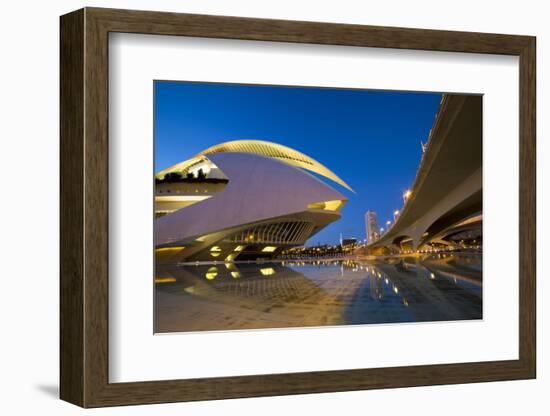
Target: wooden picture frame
{"x":84,"y":207}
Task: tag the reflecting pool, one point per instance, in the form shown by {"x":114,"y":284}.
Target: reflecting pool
{"x":226,"y":296}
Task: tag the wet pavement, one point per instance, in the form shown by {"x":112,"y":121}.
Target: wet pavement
{"x":207,"y":297}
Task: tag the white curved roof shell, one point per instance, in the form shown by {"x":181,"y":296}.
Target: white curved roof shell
{"x":259,"y":147}
{"x":259,"y":188}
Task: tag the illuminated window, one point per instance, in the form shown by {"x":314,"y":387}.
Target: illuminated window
{"x":269,"y":249}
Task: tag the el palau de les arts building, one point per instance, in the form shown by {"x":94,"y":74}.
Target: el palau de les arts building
{"x":270,"y":202}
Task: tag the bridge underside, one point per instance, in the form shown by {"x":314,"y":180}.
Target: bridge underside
{"x":448,"y":186}
{"x":456,"y":235}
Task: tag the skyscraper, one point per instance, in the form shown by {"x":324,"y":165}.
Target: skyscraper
{"x":371,"y":224}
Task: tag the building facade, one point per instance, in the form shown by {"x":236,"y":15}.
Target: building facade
{"x":241,"y":200}
{"x":371,"y":225}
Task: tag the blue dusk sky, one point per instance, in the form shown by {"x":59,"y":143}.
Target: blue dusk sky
{"x":370,"y":139}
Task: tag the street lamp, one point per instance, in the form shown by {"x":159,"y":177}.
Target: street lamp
{"x":407,"y":195}
{"x":388,"y":223}
{"x":395,"y":214}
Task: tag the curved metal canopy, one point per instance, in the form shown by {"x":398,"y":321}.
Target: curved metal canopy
{"x":263,"y":148}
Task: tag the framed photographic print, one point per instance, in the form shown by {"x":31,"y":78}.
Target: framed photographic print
{"x":256,"y":207}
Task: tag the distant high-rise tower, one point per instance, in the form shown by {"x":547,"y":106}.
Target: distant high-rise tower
{"x":371,"y":224}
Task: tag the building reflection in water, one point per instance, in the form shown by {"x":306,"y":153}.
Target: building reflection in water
{"x":300,"y":294}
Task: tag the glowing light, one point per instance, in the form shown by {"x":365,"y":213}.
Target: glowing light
{"x":235,"y":275}
{"x":269,"y":249}
{"x":211,"y":273}
{"x":407,"y":194}
{"x":432,"y":276}
{"x":239,"y":248}
{"x":334,"y":205}
{"x":267,"y":271}
{"x":167,"y":253}
{"x":230,"y":258}
{"x":395,"y":215}
{"x":215,"y":251}
{"x":165,"y":279}
{"x":169,"y":249}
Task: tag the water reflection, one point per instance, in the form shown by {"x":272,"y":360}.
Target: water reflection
{"x":296,"y":294}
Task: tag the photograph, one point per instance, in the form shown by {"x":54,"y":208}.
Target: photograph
{"x":282,"y":206}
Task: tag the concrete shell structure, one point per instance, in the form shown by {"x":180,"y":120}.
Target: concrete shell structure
{"x":267,"y":205}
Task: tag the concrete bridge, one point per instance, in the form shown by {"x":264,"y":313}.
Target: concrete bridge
{"x":447,"y":190}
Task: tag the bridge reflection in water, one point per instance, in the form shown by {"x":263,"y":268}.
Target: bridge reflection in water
{"x":436,"y":287}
